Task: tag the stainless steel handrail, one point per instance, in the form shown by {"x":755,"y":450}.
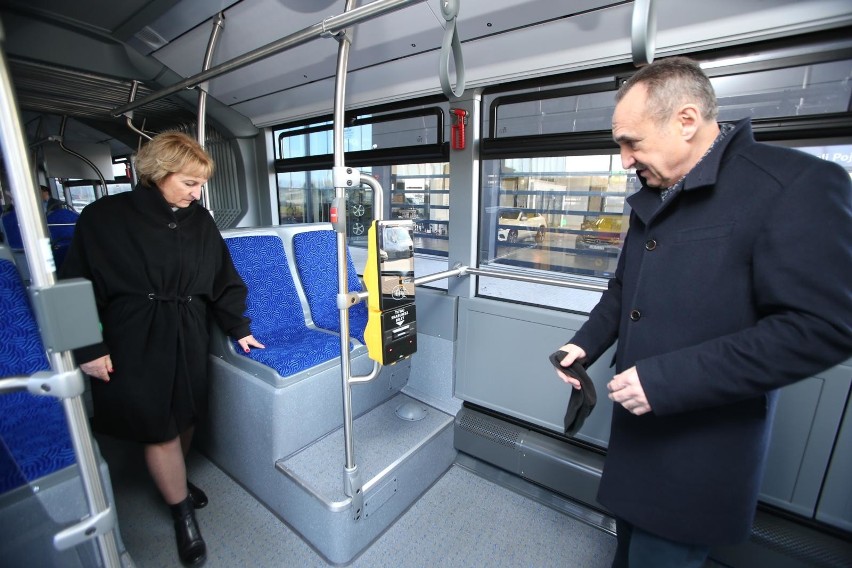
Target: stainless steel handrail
{"x":460,"y":270}
{"x":128,"y":118}
{"x":61,"y":140}
{"x":351,"y":479}
{"x":41,"y":267}
{"x":218,"y":24}
{"x":538,"y":279}
{"x":329,"y":26}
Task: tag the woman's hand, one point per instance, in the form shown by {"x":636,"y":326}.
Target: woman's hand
{"x":249,"y":340}
{"x":99,"y":368}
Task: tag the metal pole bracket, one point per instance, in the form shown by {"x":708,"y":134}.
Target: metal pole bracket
{"x":346,"y":301}
{"x":353,"y":488}
{"x":47,"y":383}
{"x":87,"y":529}
{"x":57,"y":385}
{"x":343,"y":176}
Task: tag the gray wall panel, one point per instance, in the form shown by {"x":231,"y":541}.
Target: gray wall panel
{"x":502,"y":364}
{"x":809,"y":413}
{"x":436,"y":313}
{"x":835,"y":504}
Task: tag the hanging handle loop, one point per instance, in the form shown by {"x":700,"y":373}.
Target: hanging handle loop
{"x":451,"y":46}
{"x":643,"y":32}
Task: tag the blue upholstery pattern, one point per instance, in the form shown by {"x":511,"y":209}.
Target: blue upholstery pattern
{"x":316,"y":260}
{"x":60,"y":225}
{"x":12,"y":230}
{"x":34,"y":439}
{"x":274,"y":308}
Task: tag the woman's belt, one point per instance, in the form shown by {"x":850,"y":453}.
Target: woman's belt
{"x":160,"y":298}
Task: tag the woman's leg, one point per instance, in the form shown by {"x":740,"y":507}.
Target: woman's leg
{"x":186,"y":439}
{"x":168,"y":469}
{"x":196,"y":495}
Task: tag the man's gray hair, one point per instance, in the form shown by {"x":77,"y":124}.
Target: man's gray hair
{"x":672,"y":82}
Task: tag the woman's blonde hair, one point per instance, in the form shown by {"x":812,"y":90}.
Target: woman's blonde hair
{"x":169,"y":153}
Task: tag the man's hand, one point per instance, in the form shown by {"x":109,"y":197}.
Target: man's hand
{"x":626,"y":390}
{"x":574,"y":352}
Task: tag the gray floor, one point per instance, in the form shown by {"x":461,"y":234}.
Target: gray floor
{"x":463,"y":520}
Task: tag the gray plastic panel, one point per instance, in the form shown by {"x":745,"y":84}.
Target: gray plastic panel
{"x":436,"y":313}
{"x":502,"y":364}
{"x":808,"y":416}
{"x":835,"y":504}
{"x":67,"y":315}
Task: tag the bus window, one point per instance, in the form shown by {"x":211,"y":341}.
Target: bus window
{"x":563,"y":214}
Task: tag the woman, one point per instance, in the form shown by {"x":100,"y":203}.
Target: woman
{"x":159,"y":268}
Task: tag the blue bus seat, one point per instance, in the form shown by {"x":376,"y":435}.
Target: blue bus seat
{"x":34,"y":438}
{"x":12,"y":231}
{"x":60,"y":225}
{"x":275,"y":309}
{"x":316,"y":260}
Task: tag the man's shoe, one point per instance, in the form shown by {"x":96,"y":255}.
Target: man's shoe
{"x":191,"y":547}
{"x":196,"y":496}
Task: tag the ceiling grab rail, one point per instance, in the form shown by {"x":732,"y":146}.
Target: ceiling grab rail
{"x":643,"y":32}
{"x":451,"y":46}
{"x":218,"y":24}
{"x":329,"y":26}
{"x":61,"y":140}
{"x":65,"y":381}
{"x":128,"y":117}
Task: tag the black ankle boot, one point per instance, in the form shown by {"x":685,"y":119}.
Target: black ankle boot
{"x":197,"y":496}
{"x":190,"y":544}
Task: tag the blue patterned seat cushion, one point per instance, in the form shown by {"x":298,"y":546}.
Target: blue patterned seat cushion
{"x":316,"y":260}
{"x":274,"y":308}
{"x":34,"y":439}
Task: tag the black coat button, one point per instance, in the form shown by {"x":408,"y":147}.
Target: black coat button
{"x":650,"y":244}
{"x":172,"y":225}
{"x":635,"y":315}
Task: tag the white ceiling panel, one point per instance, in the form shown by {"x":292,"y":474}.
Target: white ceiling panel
{"x":480,"y":18}
{"x":375,"y":41}
{"x":593,"y":38}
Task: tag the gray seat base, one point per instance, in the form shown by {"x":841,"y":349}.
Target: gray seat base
{"x":397,"y":461}
{"x":34,"y":513}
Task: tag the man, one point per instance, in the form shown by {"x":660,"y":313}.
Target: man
{"x":48,"y":202}
{"x":733,"y":282}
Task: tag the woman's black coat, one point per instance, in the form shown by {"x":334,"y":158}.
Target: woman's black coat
{"x":157,"y":275}
{"x":731,"y":289}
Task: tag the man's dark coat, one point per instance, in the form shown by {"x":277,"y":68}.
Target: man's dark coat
{"x":736,"y":286}
{"x":155,"y":273}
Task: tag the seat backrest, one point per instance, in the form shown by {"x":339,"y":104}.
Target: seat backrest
{"x":61,"y":223}
{"x":34,"y":437}
{"x":11,"y":229}
{"x":316,"y":260}
{"x":272,"y":304}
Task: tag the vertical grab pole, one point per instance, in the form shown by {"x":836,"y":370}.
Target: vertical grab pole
{"x":351,"y":477}
{"x":41,"y":266}
{"x":218,"y":24}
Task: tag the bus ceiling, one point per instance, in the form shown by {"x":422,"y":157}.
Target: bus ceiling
{"x":68,"y":57}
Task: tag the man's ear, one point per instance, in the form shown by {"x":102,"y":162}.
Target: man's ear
{"x":689,"y":118}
